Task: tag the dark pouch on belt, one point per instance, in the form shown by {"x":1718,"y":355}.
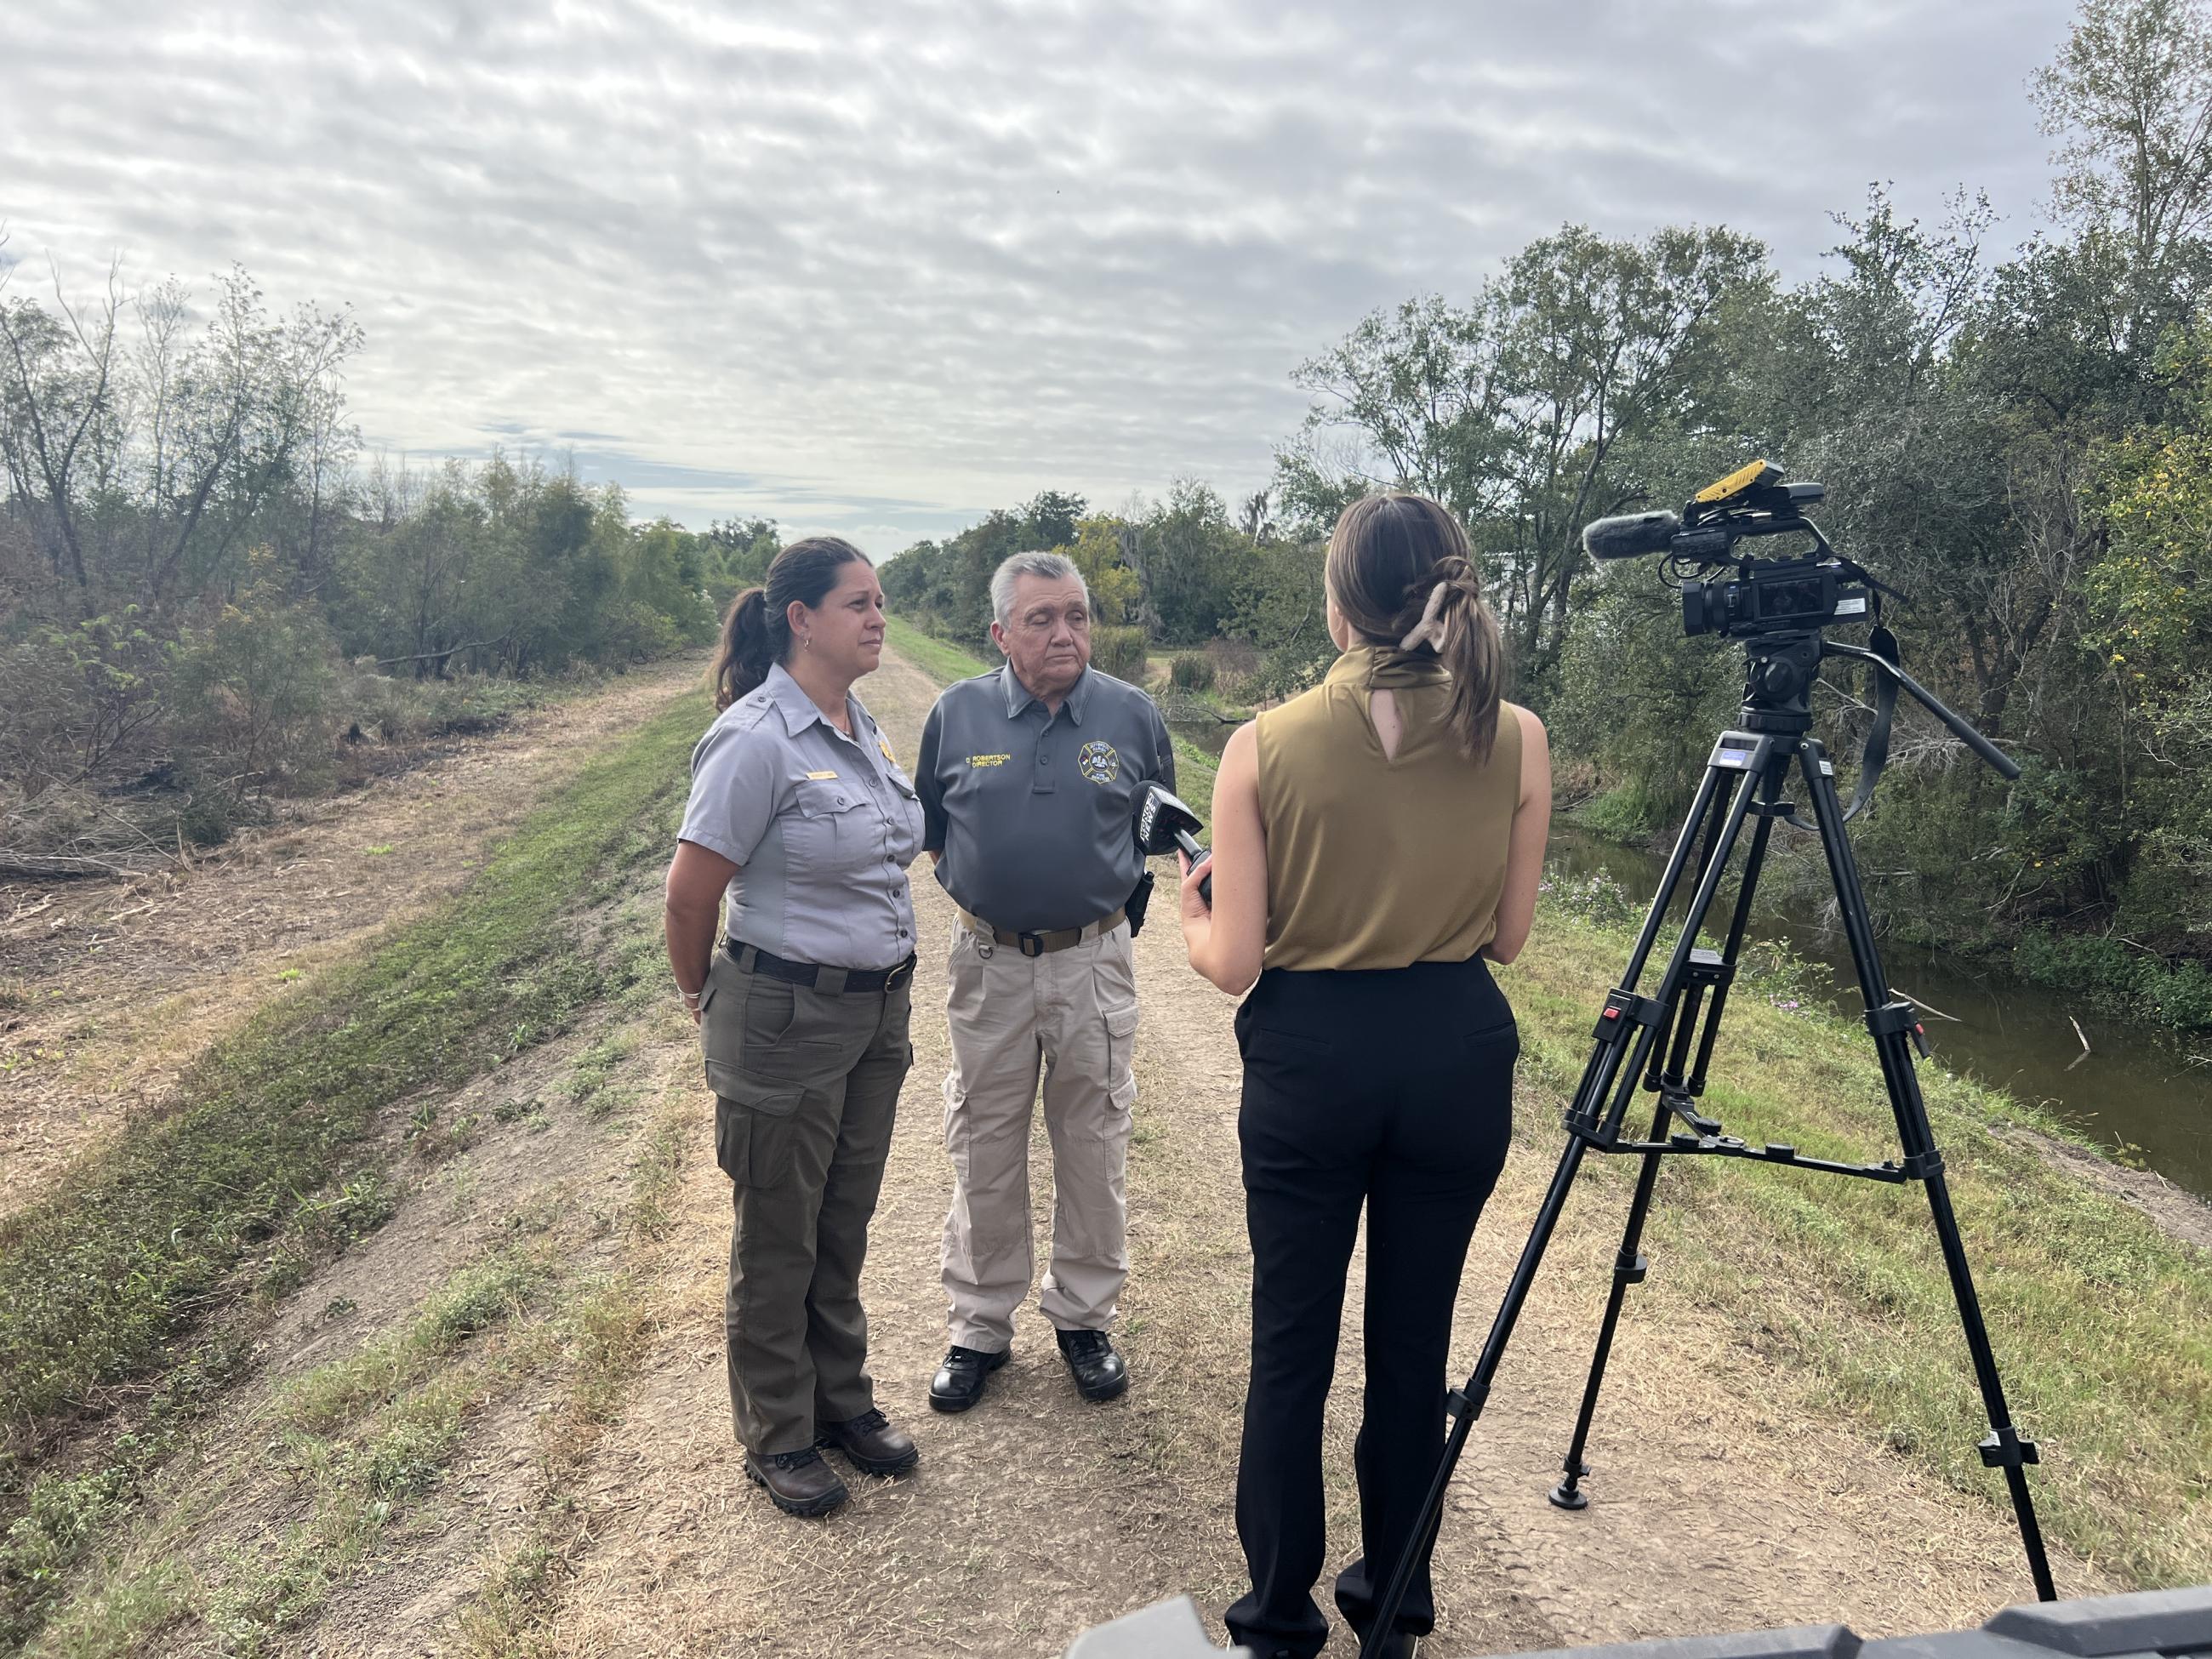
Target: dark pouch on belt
{"x":1137,"y":902}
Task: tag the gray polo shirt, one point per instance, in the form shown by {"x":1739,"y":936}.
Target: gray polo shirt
{"x":1034,"y":813}
{"x":821,"y":825}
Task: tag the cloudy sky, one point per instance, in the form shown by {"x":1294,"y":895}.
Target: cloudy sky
{"x":877,"y":267}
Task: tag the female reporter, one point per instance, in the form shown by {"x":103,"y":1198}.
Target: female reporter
{"x":1375,"y":840}
{"x":800,"y":814}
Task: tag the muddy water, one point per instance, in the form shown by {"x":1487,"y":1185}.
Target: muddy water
{"x":2140,"y":1090}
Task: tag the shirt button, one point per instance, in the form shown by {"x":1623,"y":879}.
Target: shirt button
{"x":1044,"y":760}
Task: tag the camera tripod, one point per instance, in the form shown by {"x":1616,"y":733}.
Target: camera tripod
{"x":1651,"y":1038}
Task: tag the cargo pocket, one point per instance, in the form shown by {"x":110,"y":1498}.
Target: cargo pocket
{"x":788,"y":1034}
{"x":753,"y":1130}
{"x":1122,"y":1055}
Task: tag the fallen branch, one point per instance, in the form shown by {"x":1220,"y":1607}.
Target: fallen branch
{"x":436,"y":656}
{"x":1929,"y":1007}
{"x":2084,"y":1035}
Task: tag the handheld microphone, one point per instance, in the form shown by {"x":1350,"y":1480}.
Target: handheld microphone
{"x":1164,"y":825}
{"x":1631,"y":536}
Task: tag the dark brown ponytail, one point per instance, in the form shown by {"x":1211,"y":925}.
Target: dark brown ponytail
{"x":757,"y":634}
{"x":1398,"y":562}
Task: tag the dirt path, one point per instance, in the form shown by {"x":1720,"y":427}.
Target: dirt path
{"x":1725,"y":1498}
{"x":114,"y":986}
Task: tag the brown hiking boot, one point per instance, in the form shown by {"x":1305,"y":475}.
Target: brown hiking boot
{"x":872,"y":1444}
{"x":799,"y":1482}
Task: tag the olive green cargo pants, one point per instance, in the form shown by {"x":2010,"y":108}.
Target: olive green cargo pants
{"x":806,"y":1084}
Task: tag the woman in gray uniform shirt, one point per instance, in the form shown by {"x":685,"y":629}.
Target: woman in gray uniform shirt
{"x":800,"y":813}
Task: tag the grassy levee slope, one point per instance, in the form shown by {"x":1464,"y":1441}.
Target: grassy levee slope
{"x":2101,"y":1323}
{"x":109,"y":1277}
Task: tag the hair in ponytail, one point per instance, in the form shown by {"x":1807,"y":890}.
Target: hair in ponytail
{"x":1402,"y":572}
{"x":757,"y":634}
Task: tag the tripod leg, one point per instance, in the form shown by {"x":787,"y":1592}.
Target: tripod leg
{"x":1628,"y":1268}
{"x":1894,"y":1025}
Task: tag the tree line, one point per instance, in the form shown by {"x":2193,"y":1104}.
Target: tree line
{"x":2020,"y":441}
{"x":204,"y":580}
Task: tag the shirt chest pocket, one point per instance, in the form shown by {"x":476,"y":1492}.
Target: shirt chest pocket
{"x":834,"y":828}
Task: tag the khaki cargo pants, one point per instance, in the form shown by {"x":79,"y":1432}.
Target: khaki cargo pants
{"x":1073,"y":1015}
{"x":806,"y":1082}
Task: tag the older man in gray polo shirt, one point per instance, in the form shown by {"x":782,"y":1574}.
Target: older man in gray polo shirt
{"x":1028,"y":778}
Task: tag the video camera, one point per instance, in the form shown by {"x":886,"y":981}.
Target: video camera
{"x":1765,"y":596}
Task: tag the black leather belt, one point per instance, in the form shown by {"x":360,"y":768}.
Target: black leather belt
{"x":751,"y":959}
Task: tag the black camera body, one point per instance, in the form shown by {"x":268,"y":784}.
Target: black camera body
{"x":1773,"y":596}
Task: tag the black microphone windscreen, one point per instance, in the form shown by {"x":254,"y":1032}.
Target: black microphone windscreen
{"x":1630,"y":536}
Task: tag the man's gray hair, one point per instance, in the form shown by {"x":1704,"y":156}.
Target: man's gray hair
{"x":1052,"y":567}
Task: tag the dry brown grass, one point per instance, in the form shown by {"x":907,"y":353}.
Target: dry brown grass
{"x":114,"y":988}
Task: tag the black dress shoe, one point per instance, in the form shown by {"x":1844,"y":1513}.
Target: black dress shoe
{"x":1098,"y":1370}
{"x":797,"y":1482}
{"x":958,"y":1384}
{"x":872,"y":1444}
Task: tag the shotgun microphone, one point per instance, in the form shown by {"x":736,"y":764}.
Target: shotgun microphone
{"x":1631,"y":535}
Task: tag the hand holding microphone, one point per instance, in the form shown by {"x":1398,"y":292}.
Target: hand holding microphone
{"x":1165,"y":825}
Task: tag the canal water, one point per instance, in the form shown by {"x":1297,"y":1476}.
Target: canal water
{"x":2141,"y":1091}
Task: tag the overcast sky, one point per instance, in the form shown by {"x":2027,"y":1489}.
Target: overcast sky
{"x":877,"y":267}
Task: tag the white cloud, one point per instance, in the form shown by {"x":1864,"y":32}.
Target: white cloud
{"x":877,"y":267}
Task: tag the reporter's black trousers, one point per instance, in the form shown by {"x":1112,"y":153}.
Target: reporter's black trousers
{"x":1391,"y":1090}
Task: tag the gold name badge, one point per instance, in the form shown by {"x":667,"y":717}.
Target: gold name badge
{"x":988,"y":760}
{"x":816,"y":777}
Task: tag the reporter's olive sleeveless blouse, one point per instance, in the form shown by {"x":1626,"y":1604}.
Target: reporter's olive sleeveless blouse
{"x":1376,"y":862}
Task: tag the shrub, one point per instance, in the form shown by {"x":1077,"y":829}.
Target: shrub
{"x":1235,"y":666}
{"x":1192,"y":673}
{"x":252,"y":693}
{"x":1119,"y":651}
{"x":1626,"y":813}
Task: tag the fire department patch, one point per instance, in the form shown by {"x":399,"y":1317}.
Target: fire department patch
{"x":1099,"y":762}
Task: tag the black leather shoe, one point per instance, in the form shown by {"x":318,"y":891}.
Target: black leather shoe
{"x":872,"y":1444}
{"x":797,"y":1482}
{"x":1098,"y":1370}
{"x":958,"y":1384}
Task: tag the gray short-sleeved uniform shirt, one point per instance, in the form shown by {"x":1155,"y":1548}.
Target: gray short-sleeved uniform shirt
{"x":821,"y":825}
{"x":1034,"y":813}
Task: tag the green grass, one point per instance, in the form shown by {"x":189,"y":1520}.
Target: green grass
{"x":2102,"y":1323}
{"x":99,"y":1280}
{"x":264,"y":1164}
{"x":483,"y":1295}
{"x":942,"y":661}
